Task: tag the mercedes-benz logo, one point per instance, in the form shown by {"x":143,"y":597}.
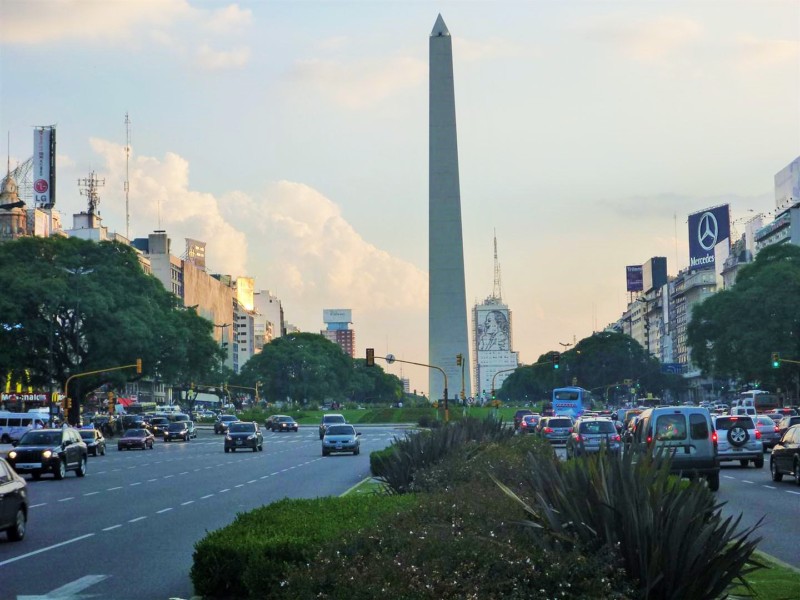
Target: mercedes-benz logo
{"x":707,"y":231}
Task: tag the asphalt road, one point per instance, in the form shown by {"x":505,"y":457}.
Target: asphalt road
{"x":128,"y":529}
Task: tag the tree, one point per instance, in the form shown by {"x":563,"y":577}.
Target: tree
{"x":733,"y":333}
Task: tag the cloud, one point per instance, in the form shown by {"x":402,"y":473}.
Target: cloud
{"x":757,"y":53}
{"x":289,"y":237}
{"x":222,"y":59}
{"x":649,"y":41}
{"x":229,"y":19}
{"x":359,"y":84}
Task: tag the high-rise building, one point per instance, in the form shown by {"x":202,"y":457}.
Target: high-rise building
{"x":337,"y":329}
{"x":447,"y":300}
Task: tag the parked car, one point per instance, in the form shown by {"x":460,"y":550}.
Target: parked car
{"x":590,"y":435}
{"x":94,"y":440}
{"x":284,"y":423}
{"x":341,"y":438}
{"x":518,"y":417}
{"x":769,"y":430}
{"x":53,"y":451}
{"x":786,"y":422}
{"x":244,"y":435}
{"x":221,"y":425}
{"x":13,"y":502}
{"x":136,"y":438}
{"x":327,"y":420}
{"x":557,"y":430}
{"x":178,"y":431}
{"x":687,"y":433}
{"x":785,"y":459}
{"x":528,"y":423}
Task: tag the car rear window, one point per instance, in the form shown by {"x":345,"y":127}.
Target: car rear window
{"x":727,"y":423}
{"x":559,"y":423}
{"x":671,"y":427}
{"x":598,"y":427}
{"x":698,"y":425}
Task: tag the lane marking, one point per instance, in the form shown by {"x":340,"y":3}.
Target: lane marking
{"x":67,"y":499}
{"x":239,"y":485}
{"x":167,"y":476}
{"x":37,"y":505}
{"x":35,"y":552}
{"x":225,"y":490}
{"x":119,"y":487}
{"x":184,"y":473}
{"x":189,"y":502}
{"x":112,"y":527}
{"x":136,"y":519}
{"x":252,"y":481}
{"x":791,"y":492}
{"x":91,"y":493}
{"x":151,"y":480}
{"x":771,"y":487}
{"x":137,"y":483}
{"x":206,"y":496}
{"x":745,"y":481}
{"x":163,"y":510}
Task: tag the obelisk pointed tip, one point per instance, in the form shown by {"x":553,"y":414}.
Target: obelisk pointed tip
{"x":439,"y":28}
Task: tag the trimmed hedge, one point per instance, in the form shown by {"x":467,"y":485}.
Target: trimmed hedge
{"x":260,"y":547}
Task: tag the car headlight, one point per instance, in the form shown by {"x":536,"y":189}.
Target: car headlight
{"x":12,"y":455}
{"x":251,"y":437}
{"x":47,"y":453}
{"x":228,"y":438}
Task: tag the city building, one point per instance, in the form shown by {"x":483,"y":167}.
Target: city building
{"x":338,"y":322}
{"x":269,"y":322}
{"x":447,"y":301}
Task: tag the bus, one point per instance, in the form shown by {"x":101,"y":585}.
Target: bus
{"x":571,"y":401}
{"x":762,"y":400}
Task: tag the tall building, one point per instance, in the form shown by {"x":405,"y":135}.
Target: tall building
{"x":269,"y":323}
{"x":447,"y":299}
{"x":495,"y":358}
{"x":337,"y":329}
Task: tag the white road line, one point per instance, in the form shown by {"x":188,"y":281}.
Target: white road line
{"x":240,"y":485}
{"x":131,"y":467}
{"x":115,"y":470}
{"x":252,"y":481}
{"x":184,"y":473}
{"x":112,"y":527}
{"x":137,"y":483}
{"x":37,"y":505}
{"x":91,"y":493}
{"x":225,"y":490}
{"x":189,"y":502}
{"x":206,"y":496}
{"x":275,"y":473}
{"x":728,"y":477}
{"x":167,"y":476}
{"x":99,"y":472}
{"x":119,"y":487}
{"x":771,"y":487}
{"x":163,"y":510}
{"x":35,"y":552}
{"x":263,"y":476}
{"x":136,"y":519}
{"x":791,"y":492}
{"x":151,"y":480}
{"x":67,"y":499}
{"x":745,"y":481}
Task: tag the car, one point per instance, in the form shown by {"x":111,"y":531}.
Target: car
{"x":541,"y":424}
{"x":528,"y":423}
{"x":244,"y":435}
{"x":94,"y":440}
{"x":591,"y":435}
{"x":687,"y":433}
{"x":785,"y":459}
{"x":518,"y":417}
{"x":222,"y":422}
{"x":158,"y":425}
{"x":769,"y":430}
{"x":341,"y":437}
{"x":192,"y":429}
{"x":270,"y":420}
{"x":739,"y":439}
{"x":133,"y":421}
{"x":178,"y":417}
{"x":786,"y":422}
{"x":53,"y":451}
{"x":178,"y":431}
{"x":557,"y":430}
{"x":136,"y":438}
{"x":13,"y":502}
{"x":328,"y":420}
{"x":284,"y":423}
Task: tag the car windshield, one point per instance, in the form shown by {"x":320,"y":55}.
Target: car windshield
{"x":41,"y":438}
{"x":177,"y":426}
{"x":159,"y":421}
{"x":333,"y":419}
{"x":559,"y":423}
{"x":135,"y":433}
{"x":598,"y":427}
{"x":242,"y":428}
{"x":285,"y":420}
{"x":228,"y":418}
{"x":341,"y":430}
{"x":726,"y":423}
{"x":88,"y":434}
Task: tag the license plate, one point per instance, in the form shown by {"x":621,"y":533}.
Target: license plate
{"x":29,"y":465}
{"x":338,"y":446}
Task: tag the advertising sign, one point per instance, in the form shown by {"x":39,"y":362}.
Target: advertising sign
{"x":44,"y":168}
{"x":707,"y":229}
{"x":492,"y":330}
{"x":634,"y":278}
{"x":337,"y":315}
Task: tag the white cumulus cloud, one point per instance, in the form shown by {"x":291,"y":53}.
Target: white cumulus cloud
{"x":650,"y":40}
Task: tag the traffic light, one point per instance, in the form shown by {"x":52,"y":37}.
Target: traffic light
{"x":370,"y":357}
{"x":776,"y":360}
{"x":459,"y":359}
{"x":139,"y":366}
{"x":556,"y":359}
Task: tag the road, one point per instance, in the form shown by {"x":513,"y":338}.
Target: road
{"x":128,"y":529}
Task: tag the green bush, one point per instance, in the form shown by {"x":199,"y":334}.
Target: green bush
{"x":260,"y":547}
{"x":671,"y":536}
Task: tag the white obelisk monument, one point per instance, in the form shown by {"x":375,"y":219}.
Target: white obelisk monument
{"x":447,"y":300}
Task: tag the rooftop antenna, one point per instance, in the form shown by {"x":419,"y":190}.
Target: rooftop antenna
{"x":497,"y":293}
{"x":88,"y":187}
{"x":127,"y":180}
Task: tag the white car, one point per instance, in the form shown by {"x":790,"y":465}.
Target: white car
{"x":739,"y":439}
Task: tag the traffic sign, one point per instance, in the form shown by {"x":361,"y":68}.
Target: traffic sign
{"x":390,"y":358}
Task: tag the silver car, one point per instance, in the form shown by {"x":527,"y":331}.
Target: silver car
{"x":557,"y":430}
{"x":738,"y":439}
{"x":590,"y":435}
{"x":341,"y":438}
{"x":769,"y":430}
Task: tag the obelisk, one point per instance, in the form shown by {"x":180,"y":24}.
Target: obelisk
{"x":447,"y":299}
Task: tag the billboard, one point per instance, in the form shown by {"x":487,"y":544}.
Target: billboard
{"x":492,"y":329}
{"x":707,"y":229}
{"x":337,"y":315}
{"x":44,"y":167}
{"x":633,"y":277}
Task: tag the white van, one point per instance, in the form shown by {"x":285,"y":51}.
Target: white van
{"x":14,"y":425}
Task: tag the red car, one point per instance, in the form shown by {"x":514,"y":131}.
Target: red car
{"x":136,"y":438}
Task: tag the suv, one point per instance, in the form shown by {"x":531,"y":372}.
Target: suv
{"x":592,"y":434}
{"x":178,"y":431}
{"x":556,"y":430}
{"x":330,"y":420}
{"x":739,"y":439}
{"x":518,"y":417}
{"x":222,"y":422}
{"x":687,"y":433}
{"x":49,"y":450}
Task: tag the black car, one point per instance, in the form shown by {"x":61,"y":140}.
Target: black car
{"x":178,"y":431}
{"x":244,"y":435}
{"x":284,"y":424}
{"x":785,"y":458}
{"x":13,"y":503}
{"x":53,"y":451}
{"x":94,"y":440}
{"x":222,"y":422}
{"x":786,"y":422}
{"x":158,"y":425}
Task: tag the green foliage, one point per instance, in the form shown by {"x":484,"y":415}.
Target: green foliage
{"x":671,"y":537}
{"x":259,"y":549}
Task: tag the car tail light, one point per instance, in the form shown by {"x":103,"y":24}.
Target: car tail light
{"x":714,"y":437}
{"x":570,"y":429}
{"x":777,"y":430}
{"x":616,"y":438}
{"x":548,"y":430}
{"x":758,"y":434}
{"x":578,"y":437}
{"x":649,"y":438}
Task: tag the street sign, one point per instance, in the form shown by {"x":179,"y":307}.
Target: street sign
{"x":390,"y":358}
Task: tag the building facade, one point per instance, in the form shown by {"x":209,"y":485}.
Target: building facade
{"x":338,"y":329}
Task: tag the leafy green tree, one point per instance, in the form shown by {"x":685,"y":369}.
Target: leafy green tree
{"x":733,"y":333}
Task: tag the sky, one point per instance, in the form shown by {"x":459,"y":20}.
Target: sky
{"x":292,"y":137}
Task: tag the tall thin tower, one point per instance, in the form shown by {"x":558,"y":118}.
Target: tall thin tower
{"x":447,"y":299}
{"x":127,"y":180}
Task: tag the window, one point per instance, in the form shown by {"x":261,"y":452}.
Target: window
{"x":671,"y":428}
{"x":698,"y":426}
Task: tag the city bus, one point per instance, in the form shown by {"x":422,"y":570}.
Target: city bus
{"x":761,"y":400}
{"x":571,"y":401}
